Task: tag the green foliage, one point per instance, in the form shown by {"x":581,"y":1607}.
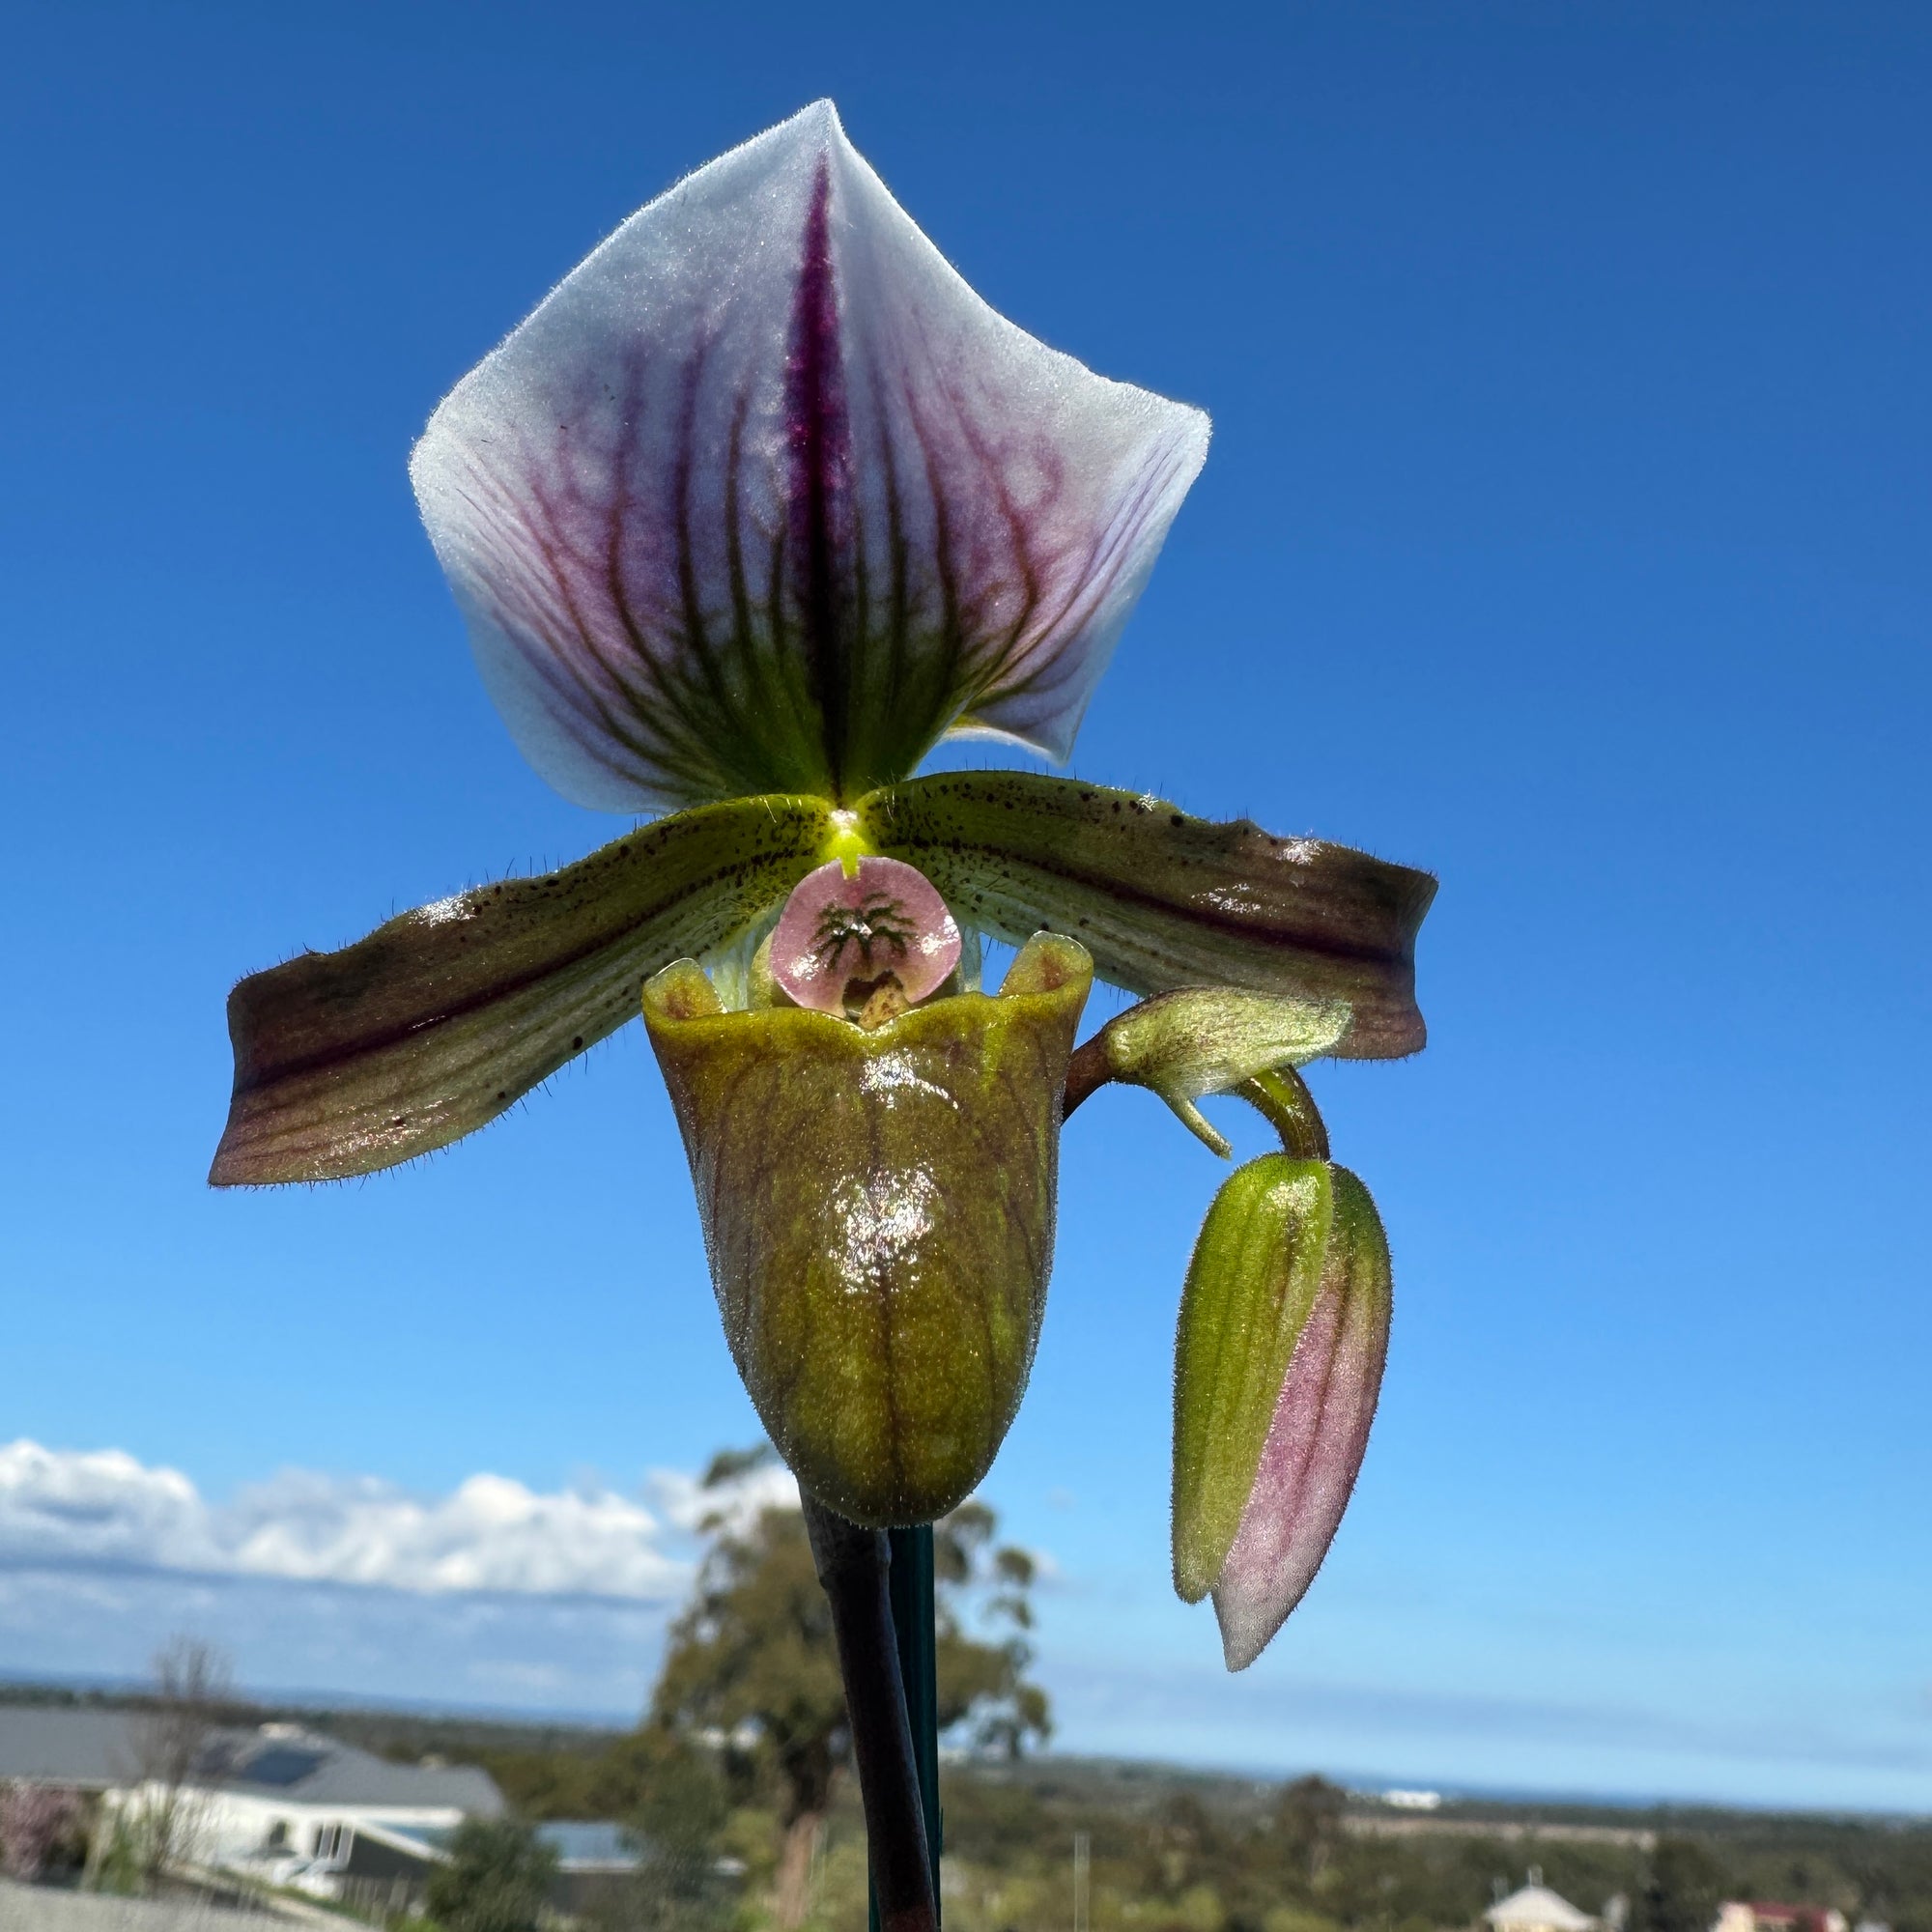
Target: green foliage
{"x":1175,"y":1852}
{"x":649,"y":1779}
{"x":120,"y":1857}
{"x":679,"y":1808}
{"x":1868,"y":1868}
{"x":1308,"y":1815}
{"x":1682,"y":1890}
{"x":498,"y":1879}
{"x":752,"y":1658}
{"x":983,"y":1689}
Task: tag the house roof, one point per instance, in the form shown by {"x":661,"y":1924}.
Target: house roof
{"x":1536,"y":1904}
{"x":97,"y":1750}
{"x":51,"y":1745}
{"x":305,"y":1768}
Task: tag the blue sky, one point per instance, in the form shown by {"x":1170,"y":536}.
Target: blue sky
{"x":1565,"y":532}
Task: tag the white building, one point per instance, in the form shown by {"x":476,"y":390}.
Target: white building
{"x":1414,"y":1801}
{"x":1537,"y":1908}
{"x":285,"y":1794}
{"x":287,"y":1805}
{"x":1737,"y":1914}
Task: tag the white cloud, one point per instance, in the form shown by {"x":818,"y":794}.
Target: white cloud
{"x":320,"y":1643}
{"x":100,"y":1506}
{"x":492,"y":1595}
{"x":732,"y":1505}
{"x":62,"y":1509}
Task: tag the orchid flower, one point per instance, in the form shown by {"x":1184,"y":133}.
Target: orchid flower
{"x":758,"y":505}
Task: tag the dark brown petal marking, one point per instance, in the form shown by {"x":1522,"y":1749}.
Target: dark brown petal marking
{"x":353,"y":1061}
{"x":1162,"y":901}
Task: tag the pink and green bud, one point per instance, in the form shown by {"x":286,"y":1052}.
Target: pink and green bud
{"x":878,"y":1214}
{"x":1278,"y":1362}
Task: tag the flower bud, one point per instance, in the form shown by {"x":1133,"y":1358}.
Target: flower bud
{"x":1278,"y":1361}
{"x":879,"y":1212}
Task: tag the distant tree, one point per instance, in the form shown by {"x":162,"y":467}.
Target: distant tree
{"x":1183,"y":1845}
{"x":1873,"y":1881}
{"x":650,"y":1777}
{"x":752,"y":1659}
{"x":498,"y":1879}
{"x":751,"y":1662}
{"x":983,"y":1686}
{"x":192,"y":1690}
{"x":1308,"y":1815}
{"x":1682,"y":1890}
{"x":678,"y":1807}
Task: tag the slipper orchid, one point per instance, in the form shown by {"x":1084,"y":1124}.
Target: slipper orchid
{"x":760,"y":504}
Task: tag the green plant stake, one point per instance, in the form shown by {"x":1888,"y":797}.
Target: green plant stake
{"x":915,"y":1626}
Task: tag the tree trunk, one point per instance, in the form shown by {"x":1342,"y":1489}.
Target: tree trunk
{"x":801,"y":1840}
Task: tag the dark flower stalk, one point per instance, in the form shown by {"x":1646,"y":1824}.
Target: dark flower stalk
{"x":854,"y":1565}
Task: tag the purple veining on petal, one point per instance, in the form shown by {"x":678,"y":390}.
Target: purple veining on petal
{"x":818,"y":437}
{"x":764,"y":497}
{"x":1309,"y":1464}
{"x":1052,"y":588}
{"x":885,"y":918}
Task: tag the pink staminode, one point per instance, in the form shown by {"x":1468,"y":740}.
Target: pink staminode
{"x":837,"y":932}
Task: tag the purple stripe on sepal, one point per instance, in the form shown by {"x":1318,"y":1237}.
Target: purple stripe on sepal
{"x":764,"y":497}
{"x":1318,"y":1437}
{"x":818,"y":439}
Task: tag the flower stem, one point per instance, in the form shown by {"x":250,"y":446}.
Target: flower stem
{"x":854,"y":1565}
{"x":916,"y":1626}
{"x":1280,"y":1097}
{"x":1087,"y":1072}
{"x":1283,"y":1099}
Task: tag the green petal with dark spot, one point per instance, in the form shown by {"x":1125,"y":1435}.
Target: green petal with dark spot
{"x":1162,"y":901}
{"x":353,"y":1061}
{"x":878,"y":1209}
